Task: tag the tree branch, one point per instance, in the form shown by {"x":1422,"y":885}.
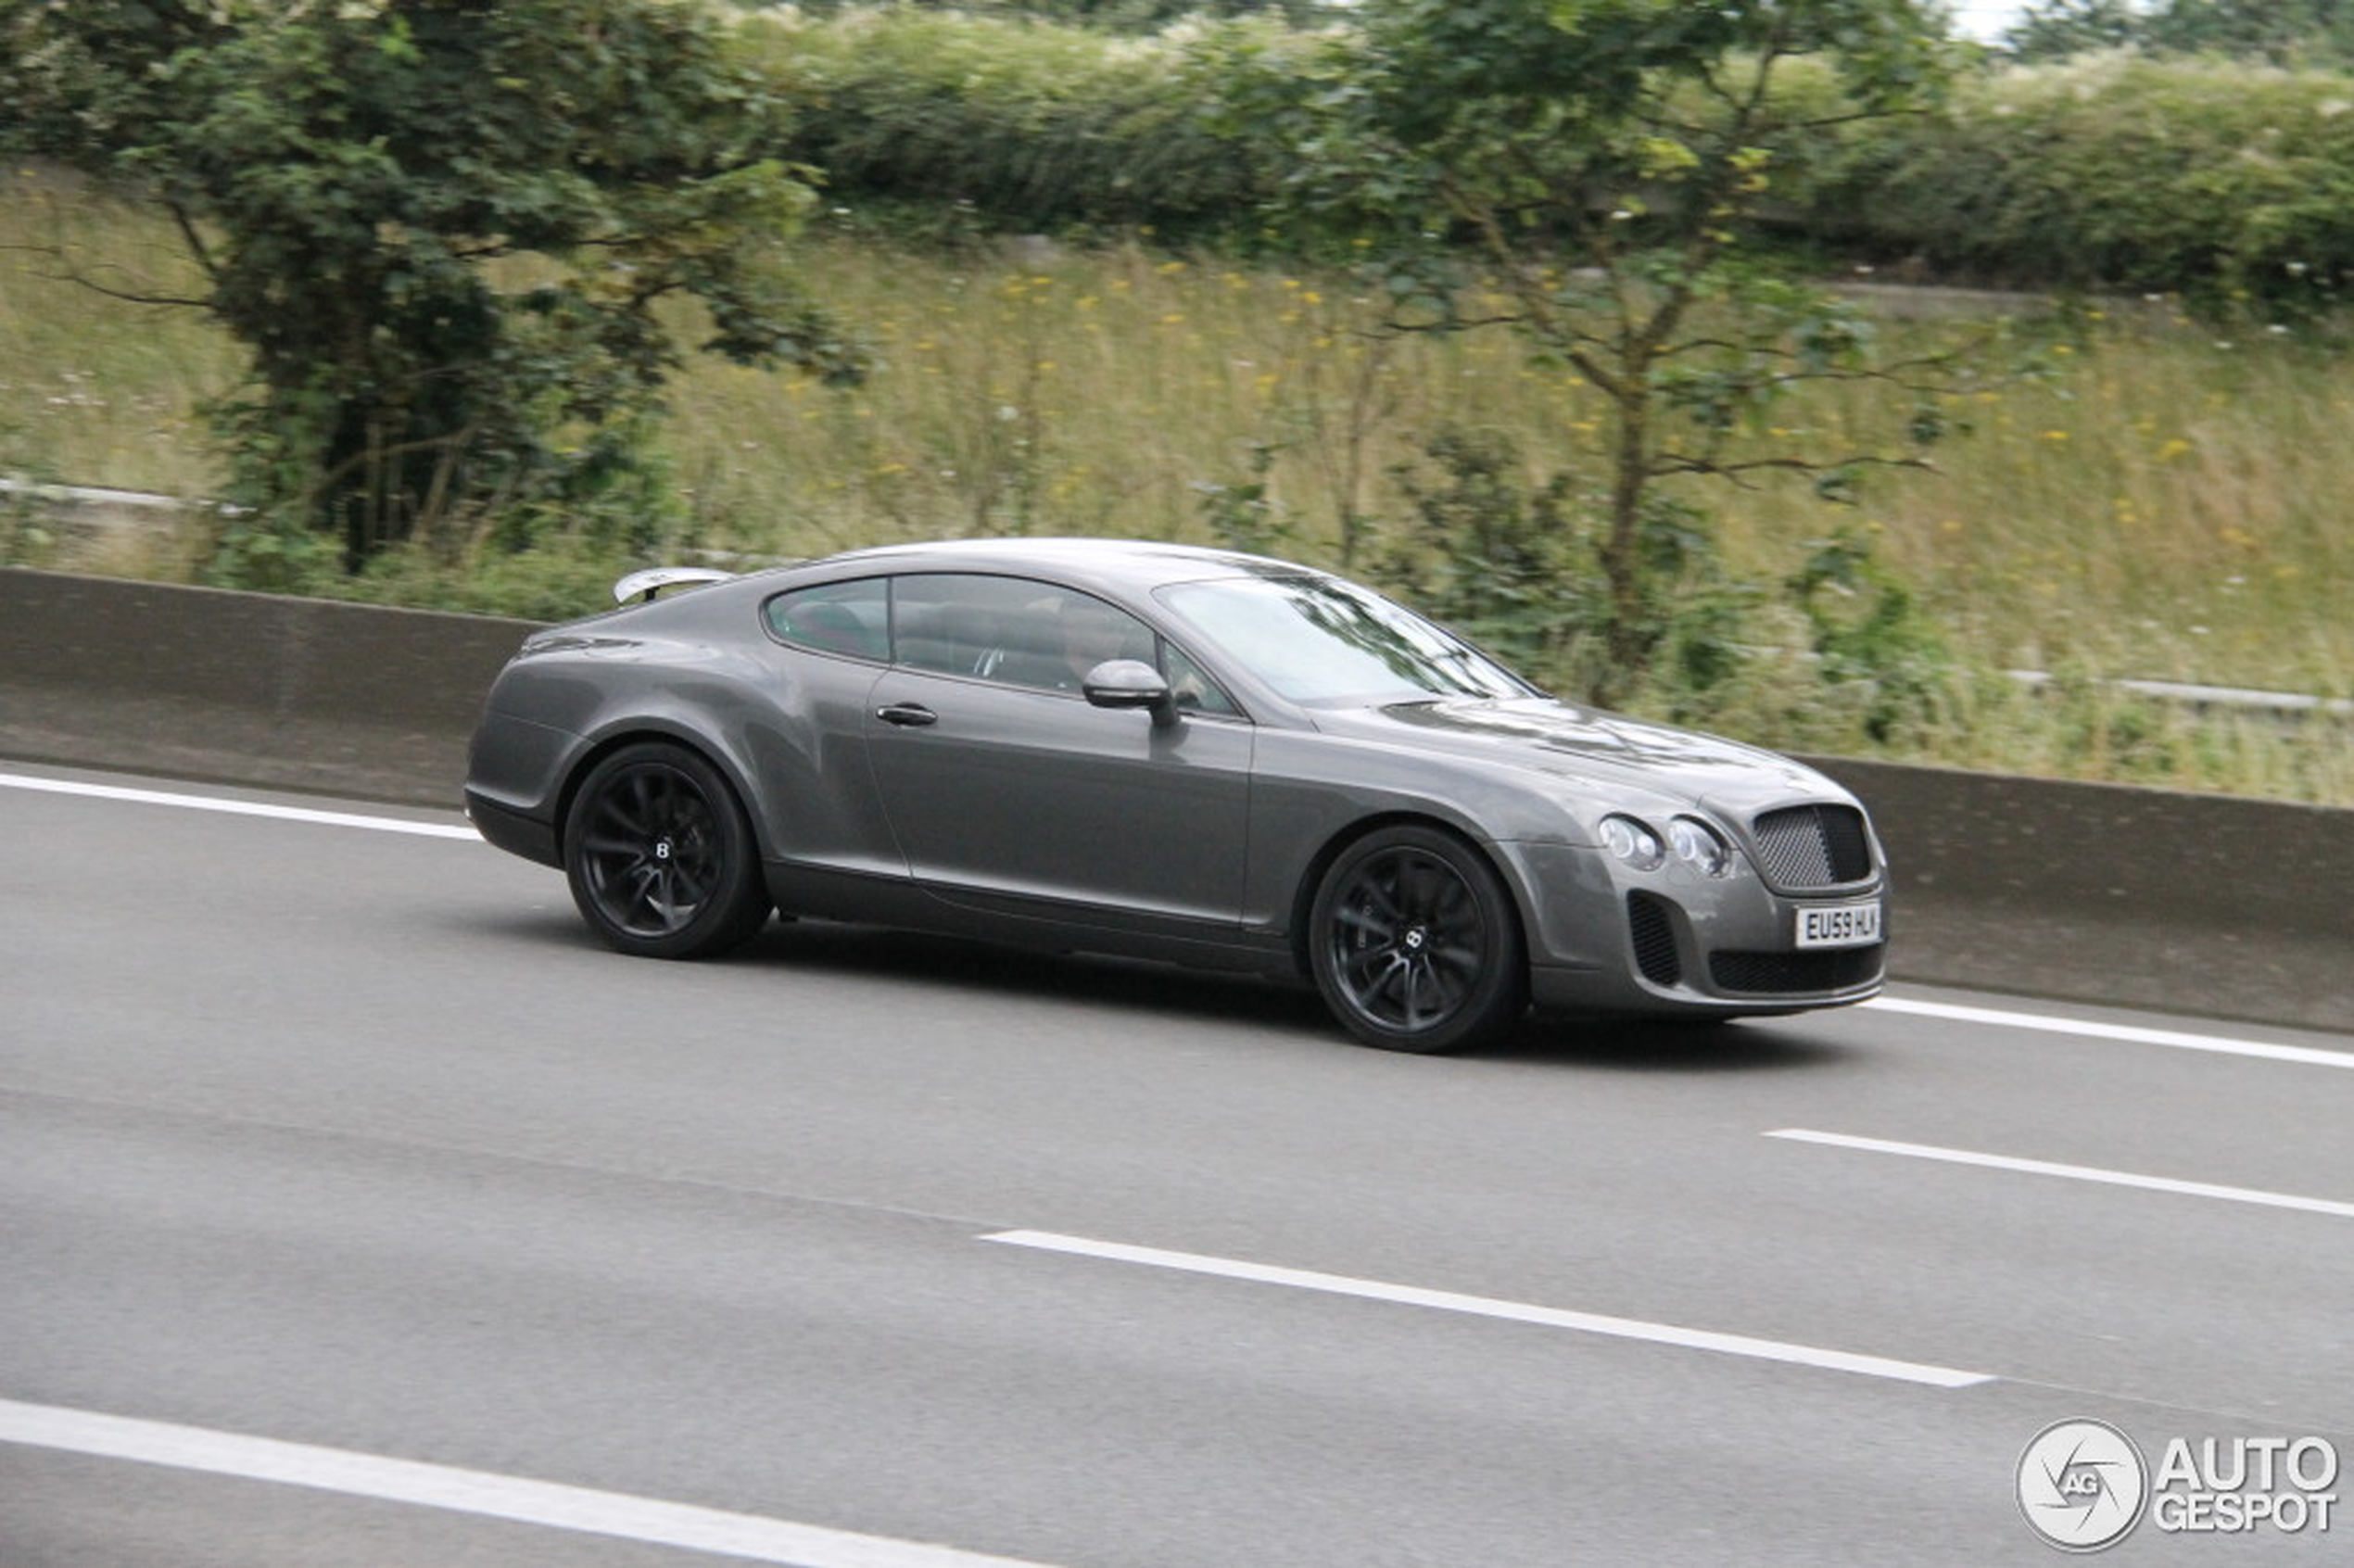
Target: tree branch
{"x":74,"y":275}
{"x":1670,"y":464}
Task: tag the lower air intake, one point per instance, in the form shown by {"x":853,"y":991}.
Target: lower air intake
{"x":1791,"y":974}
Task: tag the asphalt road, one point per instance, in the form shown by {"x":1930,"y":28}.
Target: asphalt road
{"x":356,"y":1210}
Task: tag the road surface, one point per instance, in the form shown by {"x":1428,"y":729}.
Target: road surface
{"x":356,"y":1210}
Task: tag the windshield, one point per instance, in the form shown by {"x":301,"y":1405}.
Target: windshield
{"x":1317,"y":640}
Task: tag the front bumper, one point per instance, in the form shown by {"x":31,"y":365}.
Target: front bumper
{"x":1604,"y":938}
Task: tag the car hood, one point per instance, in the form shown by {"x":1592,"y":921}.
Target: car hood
{"x":1593,"y":750}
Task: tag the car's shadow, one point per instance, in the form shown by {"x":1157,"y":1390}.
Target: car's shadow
{"x":922,"y":958}
{"x":1286,"y":1006}
{"x":1648,"y":1045}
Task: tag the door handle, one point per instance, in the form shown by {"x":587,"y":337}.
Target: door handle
{"x":910,"y":715}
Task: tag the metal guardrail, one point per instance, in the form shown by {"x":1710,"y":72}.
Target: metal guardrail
{"x":68,"y":499}
{"x":2279,"y":705}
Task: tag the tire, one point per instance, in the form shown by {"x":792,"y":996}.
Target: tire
{"x":660,"y":857}
{"x":1415,"y":944}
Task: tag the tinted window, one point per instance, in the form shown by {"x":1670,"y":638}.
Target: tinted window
{"x":1011,"y":629}
{"x":848,"y":618}
{"x":1027,"y":633}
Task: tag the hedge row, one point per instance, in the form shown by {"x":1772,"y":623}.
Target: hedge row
{"x":1015,"y":126}
{"x":2231,"y":184}
{"x":2225,"y":184}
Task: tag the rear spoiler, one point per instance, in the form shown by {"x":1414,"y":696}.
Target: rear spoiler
{"x":652,"y":581}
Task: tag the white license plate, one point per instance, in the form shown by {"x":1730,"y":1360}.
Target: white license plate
{"x":1840,"y":925}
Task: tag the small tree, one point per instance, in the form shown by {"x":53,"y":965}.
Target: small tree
{"x":1589,"y":174}
{"x":442,"y":228}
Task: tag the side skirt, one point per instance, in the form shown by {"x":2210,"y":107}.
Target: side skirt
{"x":906,"y":905}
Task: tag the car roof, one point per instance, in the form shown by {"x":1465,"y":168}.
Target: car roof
{"x":1130,"y":567}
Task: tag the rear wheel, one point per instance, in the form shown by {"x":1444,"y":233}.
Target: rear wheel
{"x":660,"y":857}
{"x":1414,"y":943}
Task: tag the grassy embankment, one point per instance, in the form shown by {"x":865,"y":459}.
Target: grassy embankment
{"x":2168,"y":508}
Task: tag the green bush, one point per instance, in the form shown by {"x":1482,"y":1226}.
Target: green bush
{"x":2227,"y":184}
{"x":1019,"y":126}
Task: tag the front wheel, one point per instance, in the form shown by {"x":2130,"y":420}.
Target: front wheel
{"x":661,"y":858}
{"x":1414,"y":943}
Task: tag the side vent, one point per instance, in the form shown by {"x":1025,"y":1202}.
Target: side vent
{"x":1654,"y":937}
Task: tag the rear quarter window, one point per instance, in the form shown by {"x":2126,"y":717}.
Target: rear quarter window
{"x":851,"y":619}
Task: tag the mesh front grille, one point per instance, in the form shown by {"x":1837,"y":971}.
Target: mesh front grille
{"x":1787,"y":974}
{"x":1654,"y":937}
{"x":1813,"y":846}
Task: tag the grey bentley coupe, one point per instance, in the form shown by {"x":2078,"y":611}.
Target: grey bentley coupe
{"x":1173,"y":753}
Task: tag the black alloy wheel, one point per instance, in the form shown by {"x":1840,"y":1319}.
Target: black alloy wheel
{"x":661,"y":858}
{"x":1415,"y":944}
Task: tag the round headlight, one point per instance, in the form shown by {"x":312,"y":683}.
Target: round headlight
{"x":1696,"y":845}
{"x":1633,"y":843}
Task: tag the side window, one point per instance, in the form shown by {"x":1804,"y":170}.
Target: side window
{"x":1011,"y":629}
{"x":1194,"y":691}
{"x":846,"y":618}
{"x":1020,"y":632}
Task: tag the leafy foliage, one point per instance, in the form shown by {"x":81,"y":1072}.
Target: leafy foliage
{"x":1246,"y":516}
{"x":1001,"y":124}
{"x":2279,"y":32}
{"x":1869,"y":633}
{"x":443,"y":230}
{"x":1516,"y":566}
{"x":1490,"y":554}
{"x":2222,"y":181}
{"x":1117,"y":15}
{"x":2230,"y":185}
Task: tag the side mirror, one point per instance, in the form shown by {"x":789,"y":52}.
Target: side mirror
{"x":1130,"y":683}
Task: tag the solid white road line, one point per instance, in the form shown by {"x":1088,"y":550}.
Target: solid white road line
{"x":1485,"y":1307}
{"x":2083,"y":1027}
{"x":472,"y":1491}
{"x":2132,"y":1033}
{"x":237,"y":808}
{"x":2073,"y":1172}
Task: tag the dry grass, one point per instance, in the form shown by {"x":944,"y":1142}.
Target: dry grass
{"x":93,"y":390}
{"x":2170,"y":507}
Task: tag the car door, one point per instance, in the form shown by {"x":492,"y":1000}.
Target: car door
{"x":828,"y":644}
{"x":1009,"y":792}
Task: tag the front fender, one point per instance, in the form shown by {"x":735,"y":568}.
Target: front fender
{"x":1309,"y":789}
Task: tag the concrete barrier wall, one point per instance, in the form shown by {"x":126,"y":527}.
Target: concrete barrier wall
{"x":2148,"y":898}
{"x":249,"y":688}
{"x":2141,"y":897}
